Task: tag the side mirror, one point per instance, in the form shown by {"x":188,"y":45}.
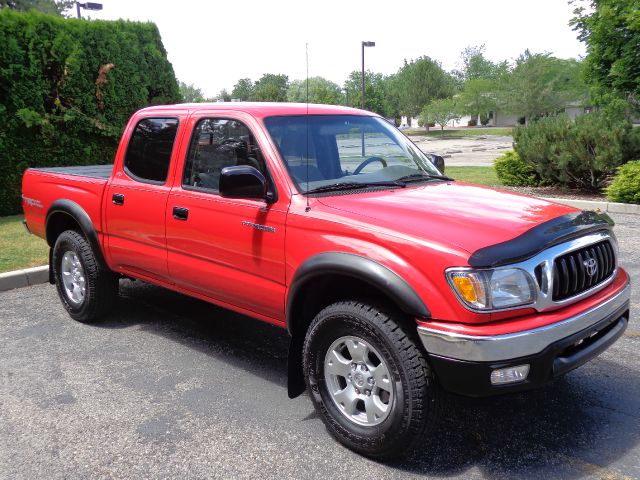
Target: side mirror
{"x":242,"y":181}
{"x":438,"y":161}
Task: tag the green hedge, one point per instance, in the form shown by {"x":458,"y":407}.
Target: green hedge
{"x":625,"y":187}
{"x":67,"y":89}
{"x":513,"y":171}
{"x":582,"y":154}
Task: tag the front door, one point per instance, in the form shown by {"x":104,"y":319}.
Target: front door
{"x":231,"y":250}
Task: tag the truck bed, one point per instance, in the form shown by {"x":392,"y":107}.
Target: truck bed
{"x":82,"y":185}
{"x":92,"y":171}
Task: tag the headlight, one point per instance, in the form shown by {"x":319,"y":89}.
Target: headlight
{"x":492,"y":289}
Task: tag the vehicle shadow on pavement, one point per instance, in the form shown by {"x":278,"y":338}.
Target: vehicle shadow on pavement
{"x":572,"y":428}
{"x":249,"y":344}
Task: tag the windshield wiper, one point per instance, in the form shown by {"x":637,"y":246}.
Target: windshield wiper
{"x":416,"y":177}
{"x":334,"y":187}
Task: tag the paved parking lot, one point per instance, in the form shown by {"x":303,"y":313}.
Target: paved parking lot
{"x":171,"y":387}
{"x":480,"y":151}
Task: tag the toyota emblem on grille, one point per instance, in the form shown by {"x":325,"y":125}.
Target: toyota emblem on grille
{"x":592,"y":266}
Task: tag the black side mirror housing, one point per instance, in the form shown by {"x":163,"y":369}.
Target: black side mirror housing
{"x":243,"y":181}
{"x":438,"y":161}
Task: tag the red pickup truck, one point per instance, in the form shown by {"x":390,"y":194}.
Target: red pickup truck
{"x":393,"y":280}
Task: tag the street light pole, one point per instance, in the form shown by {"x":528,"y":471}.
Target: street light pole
{"x":364,"y":44}
{"x":87,"y":6}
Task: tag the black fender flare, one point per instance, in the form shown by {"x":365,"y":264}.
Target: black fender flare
{"x":351,"y":265}
{"x":361,"y":268}
{"x":78,"y":214}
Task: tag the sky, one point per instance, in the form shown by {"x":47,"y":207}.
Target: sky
{"x":212,"y":44}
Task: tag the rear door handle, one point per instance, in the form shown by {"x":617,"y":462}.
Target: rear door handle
{"x":118,"y":199}
{"x":180,"y":213}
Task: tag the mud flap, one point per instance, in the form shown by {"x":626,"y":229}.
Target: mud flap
{"x":295,"y":384}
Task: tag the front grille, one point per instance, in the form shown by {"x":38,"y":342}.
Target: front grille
{"x":580,"y":270}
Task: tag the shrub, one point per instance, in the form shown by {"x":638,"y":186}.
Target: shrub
{"x":67,"y":89}
{"x":513,"y":171}
{"x":472,"y":122}
{"x":581,"y":154}
{"x":626,"y":185}
{"x":484,"y":119}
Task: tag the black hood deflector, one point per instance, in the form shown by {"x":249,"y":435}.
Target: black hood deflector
{"x":540,"y":237}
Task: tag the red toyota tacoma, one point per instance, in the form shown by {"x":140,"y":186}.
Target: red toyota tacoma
{"x":393,"y":280}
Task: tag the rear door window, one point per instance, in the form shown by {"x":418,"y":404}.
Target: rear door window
{"x":149,"y":152}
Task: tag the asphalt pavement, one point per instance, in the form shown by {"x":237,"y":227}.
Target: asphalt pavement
{"x":171,"y":387}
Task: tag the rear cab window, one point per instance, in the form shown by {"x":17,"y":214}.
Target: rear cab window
{"x":149,"y":151}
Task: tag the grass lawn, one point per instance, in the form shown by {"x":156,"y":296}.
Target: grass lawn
{"x":478,"y":175}
{"x":463,"y":132}
{"x":18,"y":249}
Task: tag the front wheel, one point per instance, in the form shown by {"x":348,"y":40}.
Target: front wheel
{"x":369,"y":381}
{"x":87,"y":292}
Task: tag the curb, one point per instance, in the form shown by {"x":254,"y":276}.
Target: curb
{"x":610,"y":207}
{"x":24,"y":278}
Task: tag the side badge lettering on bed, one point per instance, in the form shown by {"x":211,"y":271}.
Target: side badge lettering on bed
{"x":32,"y":202}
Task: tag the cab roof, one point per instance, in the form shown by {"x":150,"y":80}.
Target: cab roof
{"x":262,"y":109}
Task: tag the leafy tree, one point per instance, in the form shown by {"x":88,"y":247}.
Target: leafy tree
{"x":321,"y":90}
{"x":376,"y":96}
{"x":223,"y":96}
{"x":190,"y":93}
{"x":271,"y":88}
{"x":478,"y":97}
{"x":51,"y":7}
{"x":440,"y":111}
{"x":541,"y":85}
{"x":243,"y":90}
{"x":611,"y":31}
{"x":418,"y":83}
{"x":475,"y":66}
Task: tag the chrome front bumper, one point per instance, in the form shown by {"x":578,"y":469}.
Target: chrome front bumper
{"x":519,"y":344}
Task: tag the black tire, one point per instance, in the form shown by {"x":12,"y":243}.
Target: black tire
{"x":101,"y":286}
{"x":415,"y":397}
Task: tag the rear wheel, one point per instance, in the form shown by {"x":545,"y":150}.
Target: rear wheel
{"x":87,"y":292}
{"x":368,"y":380}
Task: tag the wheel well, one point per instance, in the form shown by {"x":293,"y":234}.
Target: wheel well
{"x":60,"y":222}
{"x":321,"y":291}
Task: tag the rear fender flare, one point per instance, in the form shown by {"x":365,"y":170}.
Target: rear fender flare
{"x":77,"y":214}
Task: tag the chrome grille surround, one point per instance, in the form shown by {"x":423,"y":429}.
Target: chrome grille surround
{"x":543,"y":279}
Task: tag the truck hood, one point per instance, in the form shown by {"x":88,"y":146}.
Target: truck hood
{"x":457,"y":214}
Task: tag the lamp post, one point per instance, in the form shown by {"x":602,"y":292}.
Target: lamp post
{"x":87,"y":6}
{"x":364,"y":44}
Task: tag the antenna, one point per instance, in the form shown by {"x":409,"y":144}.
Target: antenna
{"x":306,"y":46}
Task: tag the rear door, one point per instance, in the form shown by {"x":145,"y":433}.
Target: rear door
{"x":231,"y":250}
{"x":137,"y":199}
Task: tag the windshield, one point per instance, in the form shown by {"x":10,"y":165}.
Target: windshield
{"x":331,"y":152}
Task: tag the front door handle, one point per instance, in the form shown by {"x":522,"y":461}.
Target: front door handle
{"x":180,"y":213}
{"x":118,"y":199}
